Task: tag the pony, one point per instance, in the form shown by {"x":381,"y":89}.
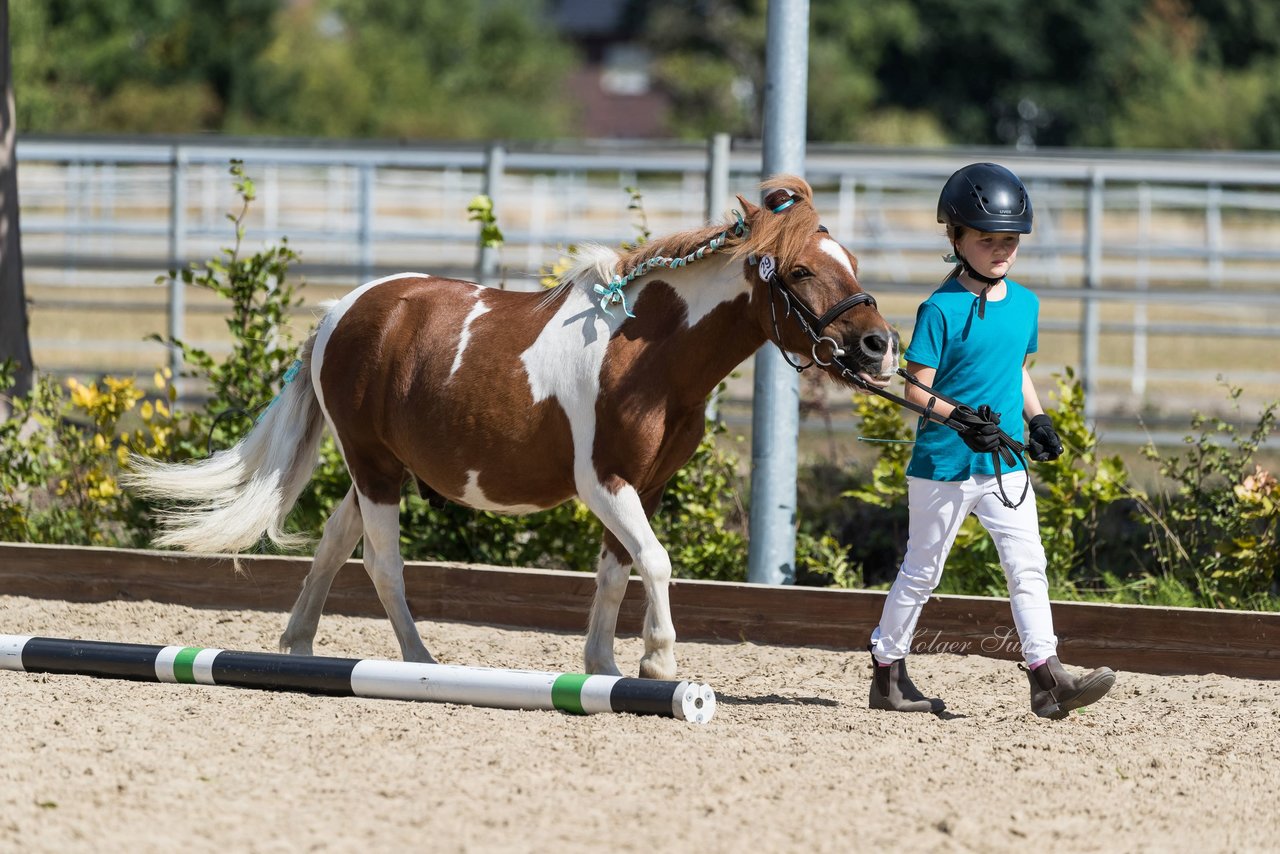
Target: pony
{"x":515,"y":402}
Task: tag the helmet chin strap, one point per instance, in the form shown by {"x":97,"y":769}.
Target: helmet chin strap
{"x":974,"y":274}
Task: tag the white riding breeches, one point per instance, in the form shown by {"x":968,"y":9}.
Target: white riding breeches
{"x":937,"y":510}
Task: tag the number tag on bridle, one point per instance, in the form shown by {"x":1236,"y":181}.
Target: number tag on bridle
{"x":767,"y":267}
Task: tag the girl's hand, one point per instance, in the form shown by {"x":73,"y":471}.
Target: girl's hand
{"x":1043,"y":443}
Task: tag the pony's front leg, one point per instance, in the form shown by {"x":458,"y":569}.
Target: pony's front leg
{"x":619,"y":507}
{"x":612,"y":572}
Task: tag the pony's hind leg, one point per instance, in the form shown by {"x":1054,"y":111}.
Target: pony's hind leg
{"x":611,"y":586}
{"x":386,"y":568}
{"x":620,"y":508}
{"x":341,"y":533}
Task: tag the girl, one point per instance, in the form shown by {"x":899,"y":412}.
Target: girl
{"x":972,"y":341}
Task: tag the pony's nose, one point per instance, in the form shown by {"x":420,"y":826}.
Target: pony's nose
{"x":875,"y":343}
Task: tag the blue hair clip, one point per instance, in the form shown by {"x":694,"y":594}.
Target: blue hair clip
{"x":289,"y":375}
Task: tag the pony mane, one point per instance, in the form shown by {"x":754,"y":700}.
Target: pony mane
{"x":783,"y":235}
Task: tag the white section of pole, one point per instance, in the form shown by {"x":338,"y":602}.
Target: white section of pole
{"x":447,"y":683}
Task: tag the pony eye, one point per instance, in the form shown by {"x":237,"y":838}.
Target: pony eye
{"x":801,"y":273}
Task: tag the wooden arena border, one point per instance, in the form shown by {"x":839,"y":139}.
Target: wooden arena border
{"x":1126,"y":637}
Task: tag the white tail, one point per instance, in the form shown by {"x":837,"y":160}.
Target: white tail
{"x":237,"y":495}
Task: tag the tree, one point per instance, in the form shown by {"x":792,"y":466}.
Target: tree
{"x":413,"y":69}
{"x":14,"y":343}
{"x":710,"y":59}
{"x":1183,"y":93}
{"x":1004,"y":71}
{"x":151,"y":66}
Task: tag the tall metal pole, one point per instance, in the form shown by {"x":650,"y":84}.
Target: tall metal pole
{"x":775,"y":422}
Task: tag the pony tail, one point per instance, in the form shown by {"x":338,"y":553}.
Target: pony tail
{"x":236,"y":496}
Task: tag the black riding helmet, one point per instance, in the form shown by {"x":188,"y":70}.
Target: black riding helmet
{"x":985,"y":197}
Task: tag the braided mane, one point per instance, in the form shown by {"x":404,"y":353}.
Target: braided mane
{"x":782,"y":235}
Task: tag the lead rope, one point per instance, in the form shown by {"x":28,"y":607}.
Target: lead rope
{"x":1008,"y":451}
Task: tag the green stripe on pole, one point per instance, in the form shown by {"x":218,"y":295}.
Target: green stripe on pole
{"x":184,"y":664}
{"x":566,"y":692}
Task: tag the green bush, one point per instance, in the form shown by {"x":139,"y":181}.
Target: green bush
{"x":260,"y":298}
{"x":1218,"y":535}
{"x":1213,"y":542}
{"x":62,"y":450}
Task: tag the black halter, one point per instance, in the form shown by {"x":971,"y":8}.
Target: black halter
{"x":811,"y":323}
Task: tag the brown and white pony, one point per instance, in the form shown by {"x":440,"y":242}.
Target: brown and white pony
{"x":515,"y":402}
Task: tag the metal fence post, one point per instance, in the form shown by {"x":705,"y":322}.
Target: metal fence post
{"x":1142,"y":282}
{"x":1213,"y":232}
{"x":177,"y":231}
{"x":775,"y":422}
{"x":717,"y":175}
{"x":494,"y":166}
{"x":365,"y":203}
{"x":1091,"y":322}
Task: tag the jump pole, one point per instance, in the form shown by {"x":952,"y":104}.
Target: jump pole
{"x":576,"y":693}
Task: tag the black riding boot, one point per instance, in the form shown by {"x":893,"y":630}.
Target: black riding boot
{"x":891,"y":689}
{"x":1055,"y":692}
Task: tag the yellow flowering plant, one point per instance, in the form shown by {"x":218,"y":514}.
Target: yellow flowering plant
{"x":63,"y":450}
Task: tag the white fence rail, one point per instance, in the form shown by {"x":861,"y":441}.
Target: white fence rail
{"x":1158,"y":273}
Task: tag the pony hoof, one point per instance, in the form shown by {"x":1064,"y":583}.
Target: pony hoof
{"x":291,"y":648}
{"x":422,"y":657}
{"x":658,"y":668}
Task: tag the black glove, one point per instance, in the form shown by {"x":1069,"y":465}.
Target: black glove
{"x":1043,"y":443}
{"x":980,"y":429}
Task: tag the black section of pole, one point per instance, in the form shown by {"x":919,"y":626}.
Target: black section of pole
{"x":645,"y":696}
{"x":276,"y":672}
{"x":91,"y":658}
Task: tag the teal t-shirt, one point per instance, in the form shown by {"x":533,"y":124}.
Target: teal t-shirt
{"x":978,"y":360}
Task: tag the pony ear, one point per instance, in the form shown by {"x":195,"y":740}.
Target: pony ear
{"x":748,"y":210}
